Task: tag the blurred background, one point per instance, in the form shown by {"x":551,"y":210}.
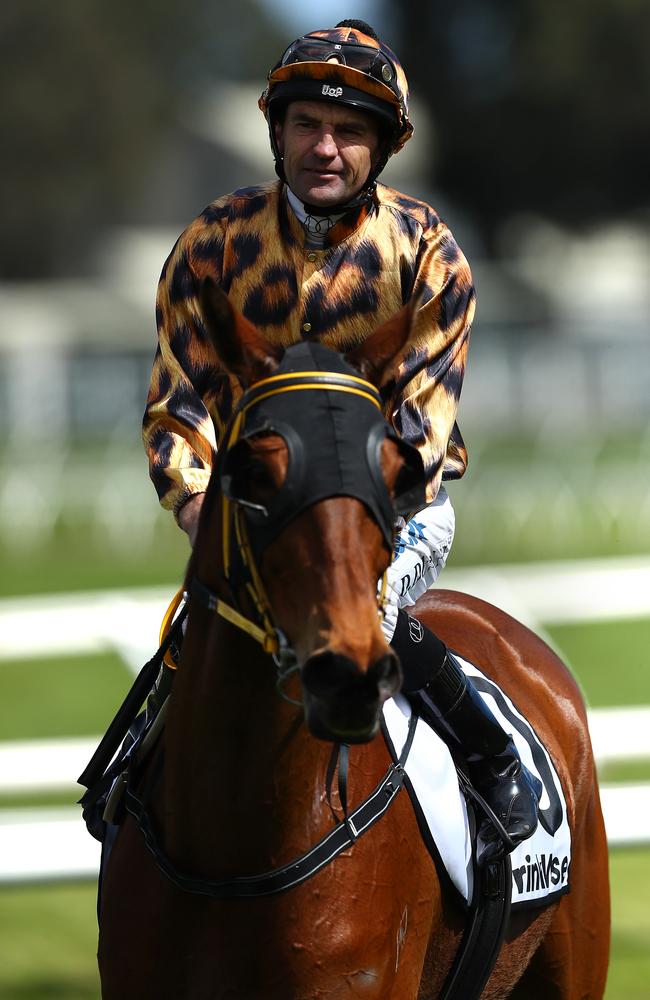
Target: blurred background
{"x":121,"y":122}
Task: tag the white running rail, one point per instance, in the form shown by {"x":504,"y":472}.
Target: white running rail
{"x":43,"y":844}
{"x":50,"y":844}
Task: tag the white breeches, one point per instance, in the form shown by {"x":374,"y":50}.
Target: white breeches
{"x":421,"y":551}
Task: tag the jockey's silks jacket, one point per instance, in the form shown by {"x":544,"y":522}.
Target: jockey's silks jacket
{"x":374,"y":259}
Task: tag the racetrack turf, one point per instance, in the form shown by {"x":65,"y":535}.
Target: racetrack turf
{"x":60,"y":696}
{"x":610,"y":659}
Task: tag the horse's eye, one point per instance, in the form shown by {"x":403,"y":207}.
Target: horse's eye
{"x":257,"y":474}
{"x":259,"y":467}
{"x":402,"y":482}
{"x":251,"y":480}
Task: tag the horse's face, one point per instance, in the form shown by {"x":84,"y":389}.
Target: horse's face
{"x":321,"y":574}
{"x":321,"y":549}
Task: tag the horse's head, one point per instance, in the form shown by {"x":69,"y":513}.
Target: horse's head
{"x":310,"y":477}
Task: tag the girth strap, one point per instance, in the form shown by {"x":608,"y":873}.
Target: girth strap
{"x":488,"y":916}
{"x":483,"y":937}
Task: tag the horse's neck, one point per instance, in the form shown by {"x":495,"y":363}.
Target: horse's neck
{"x":225,"y":686}
{"x":224,"y":691}
{"x":240,"y":767}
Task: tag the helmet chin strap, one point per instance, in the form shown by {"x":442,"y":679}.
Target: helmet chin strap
{"x":360,"y":198}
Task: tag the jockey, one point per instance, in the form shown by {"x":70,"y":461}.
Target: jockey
{"x":327,"y":252}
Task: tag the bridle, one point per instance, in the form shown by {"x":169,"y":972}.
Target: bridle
{"x":241,"y":546}
{"x":248,"y":527}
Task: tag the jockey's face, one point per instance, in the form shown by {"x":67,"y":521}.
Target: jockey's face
{"x":328,"y":151}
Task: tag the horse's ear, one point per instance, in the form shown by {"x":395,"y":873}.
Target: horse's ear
{"x":379,"y":355}
{"x":242,"y":349}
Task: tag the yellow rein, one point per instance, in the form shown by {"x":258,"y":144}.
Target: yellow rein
{"x":268,"y":642}
{"x":267,"y":638}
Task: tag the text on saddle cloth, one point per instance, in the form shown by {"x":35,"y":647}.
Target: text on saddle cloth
{"x":540,"y":865}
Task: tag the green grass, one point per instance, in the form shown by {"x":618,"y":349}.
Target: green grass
{"x":629,"y":974}
{"x":539,"y":498}
{"x":48,"y":937}
{"x":522,"y":499}
{"x":625,"y":771}
{"x":48,"y":943}
{"x":610,"y":659}
{"x":60,"y":696}
{"x":77,"y":557}
{"x":42,"y":800}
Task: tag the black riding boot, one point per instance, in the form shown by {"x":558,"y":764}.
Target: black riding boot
{"x":433,"y":675}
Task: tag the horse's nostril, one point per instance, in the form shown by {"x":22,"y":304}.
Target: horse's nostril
{"x":342,"y":702}
{"x":387,"y":675}
{"x":328,"y":671}
{"x":386,"y":667}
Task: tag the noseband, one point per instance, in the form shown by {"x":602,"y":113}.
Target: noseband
{"x":332,"y":424}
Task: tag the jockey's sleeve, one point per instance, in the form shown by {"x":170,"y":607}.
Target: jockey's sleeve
{"x":423,"y":402}
{"x":178,"y":429}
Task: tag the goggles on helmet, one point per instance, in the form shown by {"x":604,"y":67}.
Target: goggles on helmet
{"x":371,"y":61}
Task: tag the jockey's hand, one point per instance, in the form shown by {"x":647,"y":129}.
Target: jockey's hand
{"x":188,"y":516}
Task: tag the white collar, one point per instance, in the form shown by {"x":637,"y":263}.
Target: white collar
{"x":316,"y":226}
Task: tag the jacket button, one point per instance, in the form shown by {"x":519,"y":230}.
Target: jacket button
{"x":311,"y":256}
{"x":306,"y":327}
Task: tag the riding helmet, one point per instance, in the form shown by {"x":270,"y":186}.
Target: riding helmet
{"x":348,"y":66}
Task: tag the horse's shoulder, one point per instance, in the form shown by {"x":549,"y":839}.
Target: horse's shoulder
{"x":507,"y":651}
{"x":525,"y":667}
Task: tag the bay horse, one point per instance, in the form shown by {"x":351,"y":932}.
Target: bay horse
{"x":238,"y":783}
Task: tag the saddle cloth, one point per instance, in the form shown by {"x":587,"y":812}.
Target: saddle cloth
{"x":540,"y":865}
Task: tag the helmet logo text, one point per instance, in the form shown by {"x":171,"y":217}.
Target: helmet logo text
{"x":328,"y":91}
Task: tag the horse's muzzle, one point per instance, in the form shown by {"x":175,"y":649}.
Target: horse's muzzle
{"x":343,"y":704}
